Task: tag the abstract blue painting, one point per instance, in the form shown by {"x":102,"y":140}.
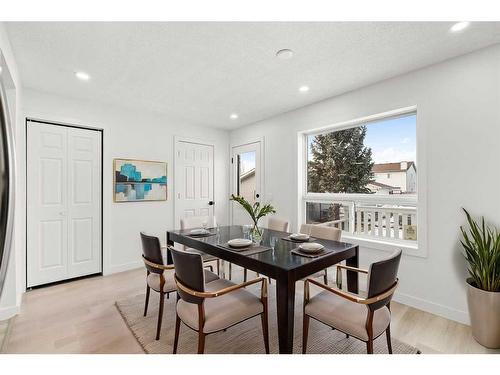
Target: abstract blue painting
{"x":139,"y":180}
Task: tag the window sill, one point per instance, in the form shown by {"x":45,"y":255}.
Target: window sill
{"x":377,"y":244}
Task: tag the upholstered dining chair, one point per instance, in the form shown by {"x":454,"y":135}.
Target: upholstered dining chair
{"x":278,"y":224}
{"x":323,"y":232}
{"x":209,"y":307}
{"x":159,"y":276}
{"x":193,"y":222}
{"x":363,"y":318}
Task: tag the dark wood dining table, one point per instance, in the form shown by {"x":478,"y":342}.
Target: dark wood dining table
{"x":278,"y":263}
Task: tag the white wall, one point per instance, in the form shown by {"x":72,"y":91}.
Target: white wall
{"x":134,"y":135}
{"x":458,"y":131}
{"x":11,"y":297}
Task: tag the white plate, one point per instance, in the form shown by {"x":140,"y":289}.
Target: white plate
{"x":299,"y":236}
{"x":311,"y":247}
{"x":239,"y":242}
{"x":198,"y":231}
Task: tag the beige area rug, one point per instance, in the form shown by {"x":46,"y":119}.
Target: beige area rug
{"x":242,"y":338}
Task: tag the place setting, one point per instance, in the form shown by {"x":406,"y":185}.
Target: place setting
{"x":200,"y":232}
{"x":310,"y":250}
{"x":299,"y":238}
{"x":244,"y":245}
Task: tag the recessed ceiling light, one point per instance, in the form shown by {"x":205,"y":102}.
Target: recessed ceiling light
{"x":459,"y":26}
{"x":233,"y":116}
{"x":82,"y":76}
{"x":284,"y":54}
{"x":304,"y":88}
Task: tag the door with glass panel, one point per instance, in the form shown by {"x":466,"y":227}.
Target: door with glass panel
{"x":246,"y":179}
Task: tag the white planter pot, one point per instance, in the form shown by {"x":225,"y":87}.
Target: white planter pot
{"x":484,"y":310}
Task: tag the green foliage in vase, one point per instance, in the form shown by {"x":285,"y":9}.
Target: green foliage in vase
{"x":256,"y":211}
{"x":482,"y":252}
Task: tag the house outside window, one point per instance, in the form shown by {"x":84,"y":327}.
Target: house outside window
{"x":363,"y":179}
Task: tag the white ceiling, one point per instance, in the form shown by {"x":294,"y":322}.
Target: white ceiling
{"x":202,"y":72}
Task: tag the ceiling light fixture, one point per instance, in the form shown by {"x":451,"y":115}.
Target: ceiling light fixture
{"x":233,"y":116}
{"x":304,"y":88}
{"x":82,"y":76}
{"x":459,"y":26}
{"x":284,"y":54}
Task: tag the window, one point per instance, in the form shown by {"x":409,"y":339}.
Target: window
{"x":363,"y":179}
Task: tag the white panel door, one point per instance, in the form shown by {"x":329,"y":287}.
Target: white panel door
{"x":246,"y":179}
{"x":194,"y":180}
{"x":84,"y":202}
{"x":63,"y":203}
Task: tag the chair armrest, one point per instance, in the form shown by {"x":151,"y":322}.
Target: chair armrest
{"x":349,"y":268}
{"x":354,"y":297}
{"x":222,"y":291}
{"x":158,"y":266}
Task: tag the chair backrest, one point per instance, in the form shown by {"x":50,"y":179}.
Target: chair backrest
{"x":326,"y":233}
{"x":151,"y":250}
{"x":189,"y":271}
{"x":382,"y":276}
{"x":192,"y":222}
{"x":305,"y":228}
{"x":275,"y":223}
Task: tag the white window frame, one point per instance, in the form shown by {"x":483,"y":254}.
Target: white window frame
{"x":419,"y":248}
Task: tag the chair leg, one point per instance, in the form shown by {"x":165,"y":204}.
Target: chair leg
{"x":369,"y":347}
{"x":265,"y":330}
{"x":230,"y":269}
{"x":305,"y":333}
{"x":245,"y":275}
{"x":218,"y":267}
{"x":177,"y":330}
{"x":325,"y":277}
{"x":160,"y":315}
{"x":201,"y":342}
{"x":388,"y":335}
{"x":147,"y":300}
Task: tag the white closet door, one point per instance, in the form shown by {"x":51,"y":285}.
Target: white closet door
{"x":194,"y":180}
{"x":84,"y":202}
{"x":63,"y":203}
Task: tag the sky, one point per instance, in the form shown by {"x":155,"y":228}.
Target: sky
{"x":391,"y":140}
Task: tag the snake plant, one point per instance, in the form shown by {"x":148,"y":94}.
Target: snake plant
{"x":481,"y":245}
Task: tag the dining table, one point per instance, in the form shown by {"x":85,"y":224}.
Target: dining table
{"x":275,"y":256}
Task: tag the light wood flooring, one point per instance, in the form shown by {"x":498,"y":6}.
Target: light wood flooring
{"x":80,"y":317}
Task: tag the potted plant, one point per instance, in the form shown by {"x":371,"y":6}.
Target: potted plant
{"x":256,"y":212}
{"x":482,"y":252}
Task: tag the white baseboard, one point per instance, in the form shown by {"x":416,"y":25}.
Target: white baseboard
{"x":433,"y":308}
{"x":123,"y":267}
{"x":9,"y":311}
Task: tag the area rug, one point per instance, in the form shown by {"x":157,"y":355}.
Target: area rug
{"x":244,"y":338}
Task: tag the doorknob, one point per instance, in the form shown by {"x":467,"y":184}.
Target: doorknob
{"x":257,"y":195}
{"x":211,"y":203}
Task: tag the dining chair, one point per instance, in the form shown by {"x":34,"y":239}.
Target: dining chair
{"x":325,"y":233}
{"x":209,"y":307}
{"x":360,"y":317}
{"x":159,"y":276}
{"x":193,"y":222}
{"x":278,"y":224}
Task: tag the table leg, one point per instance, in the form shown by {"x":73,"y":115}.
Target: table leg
{"x":169,"y":254}
{"x":352,"y":277}
{"x":285,"y":290}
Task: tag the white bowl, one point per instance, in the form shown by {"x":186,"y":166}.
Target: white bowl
{"x":299,"y":236}
{"x":198,"y":231}
{"x":311,"y":247}
{"x":239,"y":242}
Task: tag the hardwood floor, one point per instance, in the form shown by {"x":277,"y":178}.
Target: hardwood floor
{"x":80,"y":317}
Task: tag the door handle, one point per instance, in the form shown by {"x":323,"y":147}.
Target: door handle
{"x":257,"y":195}
{"x":211,"y":203}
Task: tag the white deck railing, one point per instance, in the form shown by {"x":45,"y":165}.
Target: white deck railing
{"x":373,"y":218}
